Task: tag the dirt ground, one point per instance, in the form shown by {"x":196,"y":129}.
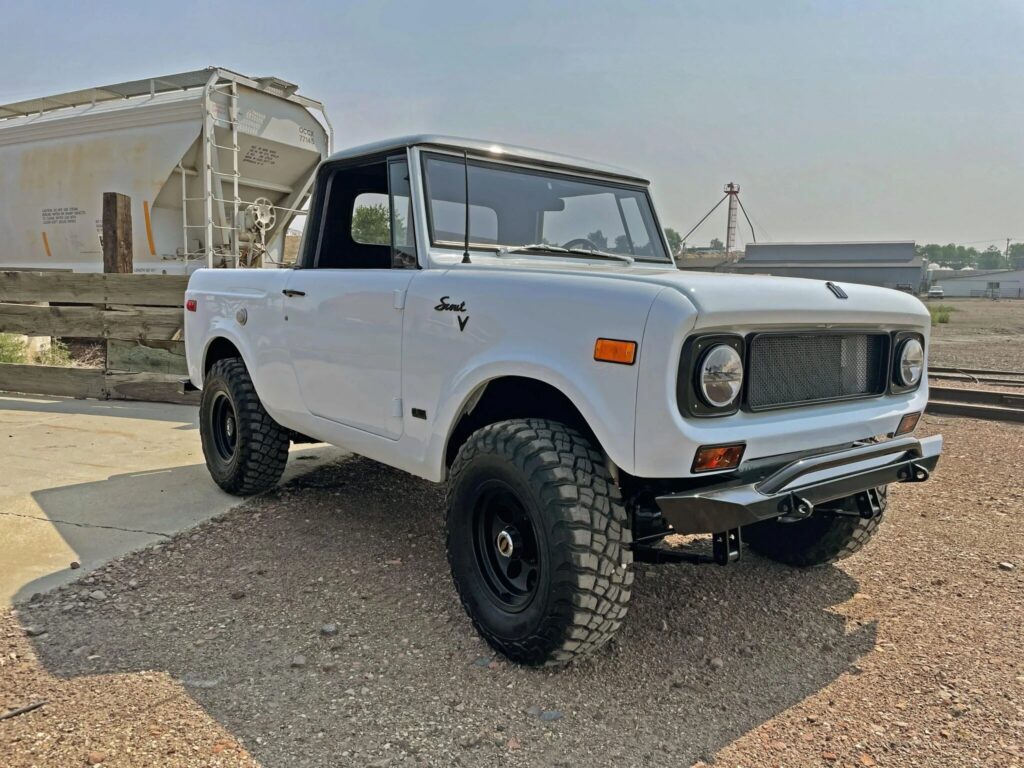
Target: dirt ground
{"x":981,"y":333}
{"x":317,"y":625}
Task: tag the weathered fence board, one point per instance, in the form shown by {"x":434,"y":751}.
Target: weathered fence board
{"x":142,"y":356}
{"x":86,"y":288}
{"x":51,"y":380}
{"x":153,"y":387}
{"x":92,"y":322}
{"x":92,"y":383}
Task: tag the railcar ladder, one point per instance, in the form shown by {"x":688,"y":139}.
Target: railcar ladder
{"x":215,"y":224}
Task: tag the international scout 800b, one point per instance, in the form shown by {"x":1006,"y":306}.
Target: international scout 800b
{"x":511,"y":323}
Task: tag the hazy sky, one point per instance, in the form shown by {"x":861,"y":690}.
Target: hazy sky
{"x":840,"y":120}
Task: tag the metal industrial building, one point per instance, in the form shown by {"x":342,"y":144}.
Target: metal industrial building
{"x":994,"y":284}
{"x":886,"y":264}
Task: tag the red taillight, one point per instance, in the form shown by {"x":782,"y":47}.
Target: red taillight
{"x":191,"y":305}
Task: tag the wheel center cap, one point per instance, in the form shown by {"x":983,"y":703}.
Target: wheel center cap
{"x":505,"y":543}
{"x":229,"y":427}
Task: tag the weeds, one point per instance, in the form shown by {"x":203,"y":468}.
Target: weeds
{"x":56,"y":354}
{"x":940,"y":313}
{"x":13,"y":349}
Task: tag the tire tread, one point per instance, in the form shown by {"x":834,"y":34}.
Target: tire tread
{"x":263,"y":443}
{"x":590,"y":592}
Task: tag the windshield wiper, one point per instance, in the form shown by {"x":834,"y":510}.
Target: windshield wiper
{"x":543,"y":247}
{"x":532,"y":247}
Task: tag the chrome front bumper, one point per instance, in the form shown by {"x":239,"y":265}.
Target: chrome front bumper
{"x":796,"y":488}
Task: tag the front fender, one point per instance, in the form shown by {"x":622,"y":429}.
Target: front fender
{"x":605,"y":397}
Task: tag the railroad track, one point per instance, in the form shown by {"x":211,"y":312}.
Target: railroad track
{"x":978,"y":376}
{"x":974,"y":402}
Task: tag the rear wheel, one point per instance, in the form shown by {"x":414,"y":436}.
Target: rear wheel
{"x":245,"y":449}
{"x":538,"y":541}
{"x":825,"y":536}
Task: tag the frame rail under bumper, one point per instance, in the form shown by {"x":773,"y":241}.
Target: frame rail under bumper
{"x":838,"y":474}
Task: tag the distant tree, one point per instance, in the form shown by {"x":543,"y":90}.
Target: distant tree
{"x":950,"y":256}
{"x":717,"y":245}
{"x":622,"y":244}
{"x":371,"y":225}
{"x":1017,"y":255}
{"x":599,"y":240}
{"x":675,"y":241}
{"x":992,"y":258}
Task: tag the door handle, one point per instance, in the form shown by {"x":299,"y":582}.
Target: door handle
{"x":293,"y":292}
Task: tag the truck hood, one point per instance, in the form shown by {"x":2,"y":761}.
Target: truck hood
{"x":732,"y":300}
{"x":727,"y":300}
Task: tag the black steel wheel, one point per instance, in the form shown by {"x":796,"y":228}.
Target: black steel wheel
{"x":223,"y":426}
{"x":245,"y":449}
{"x":505,"y":546}
{"x":538,"y":541}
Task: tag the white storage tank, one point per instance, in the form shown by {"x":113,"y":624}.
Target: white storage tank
{"x":216,"y":164}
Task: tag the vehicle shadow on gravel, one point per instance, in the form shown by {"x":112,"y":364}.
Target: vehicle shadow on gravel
{"x":319,"y":625}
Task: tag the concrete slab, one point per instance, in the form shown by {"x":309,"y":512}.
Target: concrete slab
{"x":88,"y":480}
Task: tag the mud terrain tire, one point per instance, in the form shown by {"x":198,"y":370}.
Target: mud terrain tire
{"x":543,"y":487}
{"x":246,"y":450}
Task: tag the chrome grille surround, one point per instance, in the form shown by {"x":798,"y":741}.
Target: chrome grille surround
{"x":792,"y":369}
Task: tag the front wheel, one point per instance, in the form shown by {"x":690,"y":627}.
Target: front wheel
{"x":245,"y":449}
{"x":537,"y":541}
{"x":828,"y":535}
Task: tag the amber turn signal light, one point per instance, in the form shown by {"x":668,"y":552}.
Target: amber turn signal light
{"x":712,"y":457}
{"x":615,"y":351}
{"x":908,"y":423}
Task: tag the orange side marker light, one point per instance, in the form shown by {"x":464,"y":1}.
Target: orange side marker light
{"x":615,"y":351}
{"x":713,"y":457}
{"x":908,"y":423}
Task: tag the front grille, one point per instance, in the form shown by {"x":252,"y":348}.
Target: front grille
{"x":796,"y":369}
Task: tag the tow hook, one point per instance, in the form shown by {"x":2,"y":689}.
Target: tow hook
{"x":795,"y":509}
{"x":913,"y":474}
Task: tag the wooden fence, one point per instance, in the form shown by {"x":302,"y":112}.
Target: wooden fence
{"x":138,"y":317}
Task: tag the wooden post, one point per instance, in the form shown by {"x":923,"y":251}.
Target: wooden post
{"x":117,"y":233}
{"x":117,"y":250}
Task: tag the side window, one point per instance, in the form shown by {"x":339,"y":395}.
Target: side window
{"x":371,"y":219}
{"x":365,"y":220}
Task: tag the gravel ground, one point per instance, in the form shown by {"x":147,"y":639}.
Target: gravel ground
{"x":317,"y":625}
{"x":980,"y":334}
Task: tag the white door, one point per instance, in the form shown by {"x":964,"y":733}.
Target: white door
{"x":345,"y":337}
{"x":344,"y":307}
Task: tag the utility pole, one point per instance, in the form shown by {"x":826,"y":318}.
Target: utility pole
{"x":1008,"y":252}
{"x":732,"y":191}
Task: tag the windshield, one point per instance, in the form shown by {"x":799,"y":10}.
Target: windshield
{"x":514,"y":207}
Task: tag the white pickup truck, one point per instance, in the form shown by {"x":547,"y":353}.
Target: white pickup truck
{"x":538,"y":350}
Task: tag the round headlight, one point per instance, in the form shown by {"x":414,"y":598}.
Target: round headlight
{"x":910,"y":364}
{"x":720,"y":376}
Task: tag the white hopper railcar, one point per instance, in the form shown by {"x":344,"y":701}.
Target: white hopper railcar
{"x":216,"y":164}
